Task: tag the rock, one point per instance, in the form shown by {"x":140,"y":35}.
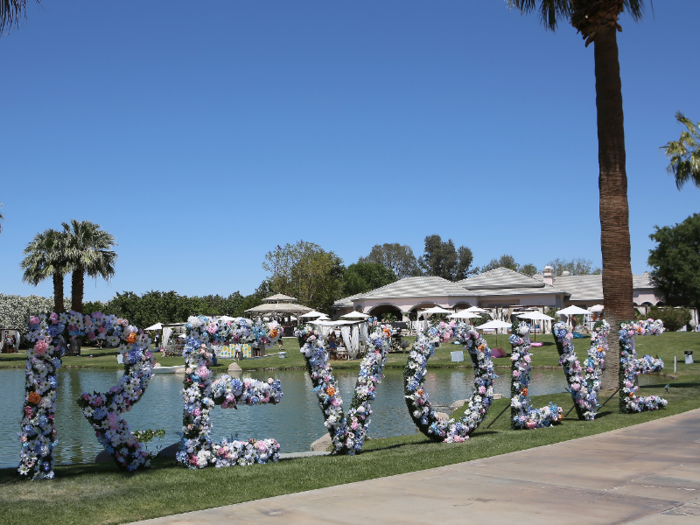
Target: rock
{"x":323,"y":443}
{"x":169,"y":451}
{"x":234,"y":368}
{"x":103,"y":457}
{"x":497,"y":396}
{"x":180,"y":370}
{"x":442,"y":416}
{"x":457,"y":404}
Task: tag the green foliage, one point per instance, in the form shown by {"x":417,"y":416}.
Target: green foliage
{"x":146,"y":436}
{"x":15,"y":310}
{"x":676,"y":261}
{"x":578,"y":266}
{"x":306,"y":271}
{"x":508,"y":261}
{"x":674,"y":318}
{"x":88,"y":250}
{"x":395,"y":257}
{"x":685,"y":154}
{"x":46,"y":256}
{"x":166,"y":307}
{"x":362,"y":277}
{"x":443,"y":260}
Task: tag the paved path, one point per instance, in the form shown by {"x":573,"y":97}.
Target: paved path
{"x":646,"y":474}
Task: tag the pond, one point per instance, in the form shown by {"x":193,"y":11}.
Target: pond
{"x":295,"y":423}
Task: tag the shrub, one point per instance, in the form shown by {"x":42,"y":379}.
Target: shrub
{"x":674,"y":318}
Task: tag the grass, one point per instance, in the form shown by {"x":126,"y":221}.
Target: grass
{"x":100,"y":494}
{"x":665,"y":346}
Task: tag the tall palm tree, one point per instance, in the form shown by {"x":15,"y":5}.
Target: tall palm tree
{"x":11,"y":11}
{"x":597,"y":21}
{"x":685,"y":153}
{"x":2,"y":218}
{"x":89,"y":251}
{"x":45,"y":256}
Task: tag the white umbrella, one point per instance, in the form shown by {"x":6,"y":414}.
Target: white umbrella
{"x":536,"y":316}
{"x":356,"y":315}
{"x":464,"y":315}
{"x":596,"y":308}
{"x":494,"y":325}
{"x":226,"y":318}
{"x":312,"y":313}
{"x":157,"y":326}
{"x":573,"y":310}
{"x":434,"y":310}
{"x":476,"y":309}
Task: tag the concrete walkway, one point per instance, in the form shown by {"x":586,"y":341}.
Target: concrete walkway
{"x":647,"y":474}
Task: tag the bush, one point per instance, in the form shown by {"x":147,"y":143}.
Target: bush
{"x":674,"y":318}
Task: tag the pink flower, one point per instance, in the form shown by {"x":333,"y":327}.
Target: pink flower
{"x":575,"y":387}
{"x":40,"y":347}
{"x":482,"y":390}
{"x":97,"y":401}
{"x":203,"y":372}
{"x":516,"y":373}
{"x":531,"y":424}
{"x":211,"y":329}
{"x":54,"y":317}
{"x":33,"y":320}
{"x":527,"y":359}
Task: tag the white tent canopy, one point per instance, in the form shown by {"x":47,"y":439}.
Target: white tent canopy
{"x":157,"y":326}
{"x":313,"y":313}
{"x":596,"y":308}
{"x":464,"y":315}
{"x":356,"y":315}
{"x":476,"y":309}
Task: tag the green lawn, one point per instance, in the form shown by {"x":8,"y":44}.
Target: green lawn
{"x":99,"y":494}
{"x":665,"y":346}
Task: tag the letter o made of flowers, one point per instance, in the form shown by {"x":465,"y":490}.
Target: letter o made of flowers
{"x":417,"y":401}
{"x":200,"y":395}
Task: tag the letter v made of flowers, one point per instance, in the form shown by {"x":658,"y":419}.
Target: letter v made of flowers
{"x":348,"y":432}
{"x":38,"y":432}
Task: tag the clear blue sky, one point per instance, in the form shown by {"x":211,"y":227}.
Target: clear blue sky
{"x":203,"y":134}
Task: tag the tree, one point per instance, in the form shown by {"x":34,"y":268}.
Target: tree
{"x":15,"y":310}
{"x":506,"y":261}
{"x":597,"y":21}
{"x":578,"y":266}
{"x":529,"y":269}
{"x":89,"y":251}
{"x":395,"y":257}
{"x":362,"y":277}
{"x":685,"y":154}
{"x":676,"y":262}
{"x":47,"y":256}
{"x":11,"y":11}
{"x":306,"y":271}
{"x":443,"y":260}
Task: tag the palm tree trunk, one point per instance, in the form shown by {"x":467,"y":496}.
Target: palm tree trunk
{"x":612,"y":184}
{"x":77,"y":288}
{"x":58,"y":292}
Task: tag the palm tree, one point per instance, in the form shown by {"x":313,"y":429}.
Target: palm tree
{"x":89,"y":251}
{"x":45,"y":256}
{"x":10,"y":13}
{"x":685,"y":153}
{"x":2,"y":218}
{"x":597,"y":21}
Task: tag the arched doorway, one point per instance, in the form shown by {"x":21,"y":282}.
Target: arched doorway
{"x":382,"y":310}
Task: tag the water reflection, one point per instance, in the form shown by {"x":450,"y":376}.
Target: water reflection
{"x":296,"y":422}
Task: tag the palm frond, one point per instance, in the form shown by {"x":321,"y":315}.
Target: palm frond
{"x":684,"y":154}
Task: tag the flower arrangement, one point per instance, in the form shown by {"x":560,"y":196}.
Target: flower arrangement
{"x":631,"y":367}
{"x":48,"y":333}
{"x":417,"y":401}
{"x":347,"y":433}
{"x":200,"y":395}
{"x":585,"y":395}
{"x":523,"y":416}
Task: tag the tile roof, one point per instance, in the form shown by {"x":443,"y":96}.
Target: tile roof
{"x":502,"y":281}
{"x":424,"y":286}
{"x":590,"y":287}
